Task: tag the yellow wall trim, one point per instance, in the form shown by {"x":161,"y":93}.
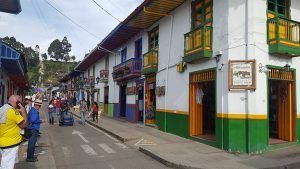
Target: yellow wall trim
{"x":243,"y":116}
{"x":172,"y":111}
{"x":298,"y":116}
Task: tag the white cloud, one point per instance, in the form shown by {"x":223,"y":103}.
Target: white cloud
{"x":40,"y":24}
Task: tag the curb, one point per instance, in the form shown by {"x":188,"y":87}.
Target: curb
{"x":103,"y":129}
{"x":164,"y":161}
{"x":286,"y":166}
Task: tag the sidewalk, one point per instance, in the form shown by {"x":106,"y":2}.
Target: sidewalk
{"x":178,"y":152}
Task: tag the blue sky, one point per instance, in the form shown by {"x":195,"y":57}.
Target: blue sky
{"x":39,"y":24}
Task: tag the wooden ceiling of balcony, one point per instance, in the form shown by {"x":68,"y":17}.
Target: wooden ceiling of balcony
{"x":155,"y":10}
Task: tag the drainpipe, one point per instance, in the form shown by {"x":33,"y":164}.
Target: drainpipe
{"x":169,"y":56}
{"x":247,"y":58}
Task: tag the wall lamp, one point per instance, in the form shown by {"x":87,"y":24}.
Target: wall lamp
{"x":263,"y":69}
{"x":287,"y":67}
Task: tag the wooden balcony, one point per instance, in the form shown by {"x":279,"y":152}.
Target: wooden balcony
{"x":127,"y":70}
{"x":198,"y":44}
{"x":150,"y":62}
{"x":283,"y":37}
{"x":104,"y":76}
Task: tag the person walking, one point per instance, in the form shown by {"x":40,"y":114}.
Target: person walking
{"x":13,"y":118}
{"x":28,"y":103}
{"x":95,"y":111}
{"x":51,"y":112}
{"x":33,"y":127}
{"x":83,"y":108}
{"x":88,"y":104}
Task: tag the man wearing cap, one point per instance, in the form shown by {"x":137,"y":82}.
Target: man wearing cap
{"x":33,"y":127}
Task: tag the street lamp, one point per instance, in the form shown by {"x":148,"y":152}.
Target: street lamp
{"x":97,"y":80}
{"x":287,"y":67}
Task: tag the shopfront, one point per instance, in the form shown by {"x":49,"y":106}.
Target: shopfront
{"x":150,"y":100}
{"x":203,"y":105}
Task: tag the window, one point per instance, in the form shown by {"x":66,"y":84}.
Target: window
{"x":123,"y":55}
{"x":279,"y":7}
{"x":138,"y":48}
{"x":94,"y":70}
{"x":202,"y":13}
{"x":106,"y":63}
{"x":88,"y":72}
{"x":153,"y":38}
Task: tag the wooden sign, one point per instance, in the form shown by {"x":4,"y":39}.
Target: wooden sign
{"x":160,"y":91}
{"x":242,"y":74}
{"x":131,"y":90}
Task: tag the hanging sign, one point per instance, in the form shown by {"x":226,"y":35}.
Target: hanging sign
{"x":242,"y":74}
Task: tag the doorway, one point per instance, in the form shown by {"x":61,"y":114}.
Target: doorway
{"x":122,"y":100}
{"x":105,"y":102}
{"x":203,"y":105}
{"x":281,"y":104}
{"x":140,"y":103}
{"x":150,"y":100}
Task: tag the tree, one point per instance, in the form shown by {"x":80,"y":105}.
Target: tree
{"x":14,"y":43}
{"x":73,"y":58}
{"x":59,"y":50}
{"x":44,"y":56}
{"x":55,"y":50}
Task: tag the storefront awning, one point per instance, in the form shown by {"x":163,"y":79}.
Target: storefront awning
{"x":14,"y":64}
{"x":10,"y":6}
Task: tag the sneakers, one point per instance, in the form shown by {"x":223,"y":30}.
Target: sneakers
{"x":32,"y":160}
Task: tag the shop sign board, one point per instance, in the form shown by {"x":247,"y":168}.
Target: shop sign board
{"x":242,"y":74}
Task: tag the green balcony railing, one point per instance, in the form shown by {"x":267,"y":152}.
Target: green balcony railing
{"x":283,"y":36}
{"x":198,"y":43}
{"x":150,"y":61}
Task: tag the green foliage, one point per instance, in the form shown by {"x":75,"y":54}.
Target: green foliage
{"x":54,"y":70}
{"x":44,"y":56}
{"x":59,"y":50}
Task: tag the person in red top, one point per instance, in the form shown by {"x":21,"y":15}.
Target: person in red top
{"x":57,"y":105}
{"x":95,"y":111}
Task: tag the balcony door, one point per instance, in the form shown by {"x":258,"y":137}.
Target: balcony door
{"x":202,"y":13}
{"x":138,"y":49}
{"x":279,"y":8}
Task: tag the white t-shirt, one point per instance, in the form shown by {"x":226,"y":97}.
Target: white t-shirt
{"x":199,"y":96}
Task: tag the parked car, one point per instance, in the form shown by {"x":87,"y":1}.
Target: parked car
{"x":66,"y":118}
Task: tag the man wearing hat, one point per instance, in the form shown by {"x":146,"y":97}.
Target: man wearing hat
{"x":33,"y":127}
{"x":27,"y":103}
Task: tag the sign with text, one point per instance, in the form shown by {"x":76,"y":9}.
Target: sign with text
{"x":242,"y":74}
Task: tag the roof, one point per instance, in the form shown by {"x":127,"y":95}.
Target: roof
{"x":10,"y":6}
{"x":145,"y":15}
{"x":72,"y":74}
{"x":15,"y":65}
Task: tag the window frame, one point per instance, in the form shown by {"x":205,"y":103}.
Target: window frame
{"x":276,"y":5}
{"x":123,"y":55}
{"x":203,"y":13}
{"x":138,"y":51}
{"x":155,"y":42}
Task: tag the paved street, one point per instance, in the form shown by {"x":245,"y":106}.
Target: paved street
{"x":85,"y":147}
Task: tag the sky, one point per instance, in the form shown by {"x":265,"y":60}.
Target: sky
{"x":40,"y":24}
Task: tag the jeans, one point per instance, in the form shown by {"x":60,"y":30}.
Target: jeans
{"x":51,"y":117}
{"x":31,"y":143}
{"x":82,"y":115}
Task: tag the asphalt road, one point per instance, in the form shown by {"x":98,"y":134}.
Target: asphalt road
{"x":85,"y":147}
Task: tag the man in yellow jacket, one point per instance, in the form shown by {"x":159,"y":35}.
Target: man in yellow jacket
{"x":13,"y":118}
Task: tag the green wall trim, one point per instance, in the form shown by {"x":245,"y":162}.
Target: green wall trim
{"x":196,"y":56}
{"x":110,"y":109}
{"x":284,"y":49}
{"x":177,"y":124}
{"x":297,"y":130}
{"x":150,"y":70}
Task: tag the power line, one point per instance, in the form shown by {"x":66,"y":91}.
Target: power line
{"x":106,"y":11}
{"x":71,"y":20}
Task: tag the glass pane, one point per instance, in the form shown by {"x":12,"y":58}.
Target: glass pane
{"x":281,"y":10}
{"x":281,"y":2}
{"x":271,"y":7}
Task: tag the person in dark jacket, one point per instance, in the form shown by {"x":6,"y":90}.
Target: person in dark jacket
{"x":33,"y":127}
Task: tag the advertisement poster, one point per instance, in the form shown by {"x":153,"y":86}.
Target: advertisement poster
{"x":242,"y":74}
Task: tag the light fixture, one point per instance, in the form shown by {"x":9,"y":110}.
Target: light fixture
{"x":287,"y":67}
{"x":97,"y":80}
{"x":262,"y":69}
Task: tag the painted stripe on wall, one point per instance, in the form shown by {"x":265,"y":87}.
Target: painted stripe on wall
{"x":173,"y":111}
{"x":131,"y":114}
{"x":243,"y":116}
{"x":116,"y":110}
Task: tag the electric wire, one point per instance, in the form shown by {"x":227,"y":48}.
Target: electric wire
{"x":71,"y":20}
{"x":106,"y":11}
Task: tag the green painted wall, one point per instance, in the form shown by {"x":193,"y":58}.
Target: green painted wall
{"x":110,"y":109}
{"x":241,"y":135}
{"x":101,"y":106}
{"x":298,"y":129}
{"x":177,"y":124}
